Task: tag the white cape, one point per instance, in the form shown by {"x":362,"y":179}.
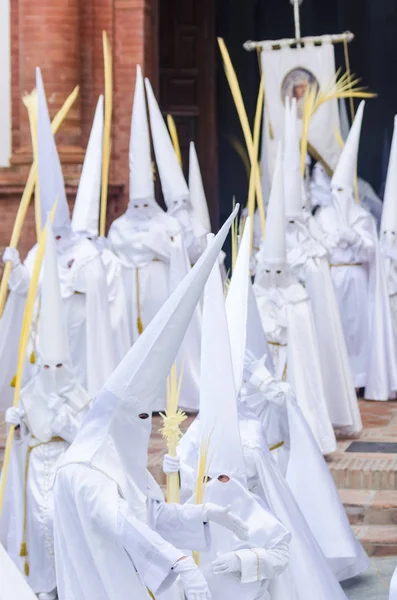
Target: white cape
{"x":13,"y":585}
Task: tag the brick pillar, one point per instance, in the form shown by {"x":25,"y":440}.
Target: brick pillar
{"x":134,"y":42}
{"x":49,"y":37}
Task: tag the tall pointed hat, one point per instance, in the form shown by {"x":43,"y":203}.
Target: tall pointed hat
{"x":53,"y":336}
{"x":52,"y":186}
{"x":86,"y":207}
{"x":264,"y":162}
{"x":196,"y":190}
{"x":142,"y":372}
{"x":345,"y":171}
{"x":140,"y":160}
{"x":291,"y":165}
{"x":218,"y":397}
{"x":172,"y":179}
{"x":237,"y":305}
{"x":274,"y":244}
{"x":389,"y":213}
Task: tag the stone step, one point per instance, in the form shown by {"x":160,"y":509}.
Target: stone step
{"x":357,"y":471}
{"x":370,"y":507}
{"x":378,"y":540}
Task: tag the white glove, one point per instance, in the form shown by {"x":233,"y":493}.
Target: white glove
{"x":348,"y":235}
{"x":227,"y":563}
{"x":193,"y":583}
{"x":14,"y":415}
{"x":222,"y":516}
{"x":11,"y":255}
{"x":101,"y":243}
{"x":54,"y":401}
{"x":171,"y":464}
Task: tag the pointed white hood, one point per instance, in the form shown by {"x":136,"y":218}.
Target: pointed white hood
{"x":273,"y":251}
{"x":142,"y":194}
{"x":115,"y":435}
{"x":53,"y":336}
{"x":218,"y":396}
{"x":52,"y":187}
{"x":196,"y":190}
{"x":173,"y":183}
{"x":345,"y":171}
{"x":237,"y":305}
{"x":291,"y":165}
{"x":86,"y":208}
{"x":389,"y":213}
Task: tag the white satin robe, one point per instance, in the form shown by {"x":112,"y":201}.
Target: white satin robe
{"x":308,"y":259}
{"x":118,"y":552}
{"x":389,"y":253}
{"x":307,"y":475}
{"x":154,"y":262}
{"x":41,"y":463}
{"x":288,"y":323}
{"x":361,"y":292}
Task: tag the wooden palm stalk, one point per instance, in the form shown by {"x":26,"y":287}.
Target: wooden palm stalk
{"x":242,"y":113}
{"x":23,"y":344}
{"x":201,"y":480}
{"x":107,"y":127}
{"x":172,"y":420}
{"x":27,"y":194}
{"x":174,"y":137}
{"x":254,"y":163}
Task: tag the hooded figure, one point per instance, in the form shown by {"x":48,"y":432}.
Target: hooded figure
{"x":107,"y":504}
{"x":299,"y":458}
{"x":388,"y":230}
{"x":233,"y":569}
{"x":149,"y":244}
{"x":176,"y":193}
{"x":308,"y":575}
{"x":308,"y":259}
{"x":82,"y":276}
{"x":85,"y":222}
{"x":359,"y":280}
{"x":287,"y":320}
{"x":51,"y":409}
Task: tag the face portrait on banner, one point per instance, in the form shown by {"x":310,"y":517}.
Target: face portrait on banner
{"x":295,"y":84}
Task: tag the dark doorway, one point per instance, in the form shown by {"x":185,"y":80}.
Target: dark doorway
{"x":187,"y":82}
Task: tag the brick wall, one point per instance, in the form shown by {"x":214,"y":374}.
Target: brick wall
{"x":65,"y":40}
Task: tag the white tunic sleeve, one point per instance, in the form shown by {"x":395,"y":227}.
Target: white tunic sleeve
{"x":182,"y":525}
{"x":258,"y":564}
{"x":19,"y":280}
{"x":152,"y":557}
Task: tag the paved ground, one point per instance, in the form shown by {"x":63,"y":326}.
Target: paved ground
{"x":374,"y":584}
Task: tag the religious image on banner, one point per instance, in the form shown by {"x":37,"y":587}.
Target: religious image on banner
{"x":295,"y":85}
{"x":291,"y":71}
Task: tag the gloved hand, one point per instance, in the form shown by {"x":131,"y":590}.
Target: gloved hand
{"x":348,"y":235}
{"x":193,"y":583}
{"x":54,"y":401}
{"x":14,"y":415}
{"x":11,"y":255}
{"x":101,"y":243}
{"x":222,"y":516}
{"x":171,"y":464}
{"x":227,"y":563}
